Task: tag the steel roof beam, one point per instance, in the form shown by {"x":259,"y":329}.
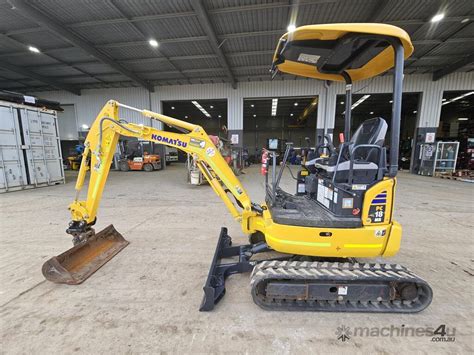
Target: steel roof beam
{"x":190,"y":71}
{"x":133,"y":19}
{"x":4,"y":79}
{"x":61,"y":62}
{"x":209,"y":30}
{"x":167,"y":16}
{"x":173,"y":81}
{"x":457,"y":29}
{"x":110,"y":21}
{"x":48,"y":22}
{"x":161,"y":16}
{"x":206,"y":56}
{"x":157,"y":59}
{"x":453,"y":67}
{"x":46,"y":80}
{"x":216,"y":11}
{"x":379,"y":11}
{"x":227,"y":36}
{"x":140,"y":32}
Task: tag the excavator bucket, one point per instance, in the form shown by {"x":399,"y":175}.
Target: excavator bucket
{"x":75,"y":265}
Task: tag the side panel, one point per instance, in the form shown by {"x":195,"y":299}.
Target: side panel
{"x":378,"y":203}
{"x":52,"y":151}
{"x":12,"y":164}
{"x":367,"y":241}
{"x":42,"y":143}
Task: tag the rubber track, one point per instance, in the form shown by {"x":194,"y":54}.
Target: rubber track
{"x":336,"y":272}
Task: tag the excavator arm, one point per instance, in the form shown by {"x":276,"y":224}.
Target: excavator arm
{"x":91,"y":250}
{"x":100,"y":147}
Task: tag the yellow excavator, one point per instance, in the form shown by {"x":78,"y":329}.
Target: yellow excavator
{"x":343,"y":208}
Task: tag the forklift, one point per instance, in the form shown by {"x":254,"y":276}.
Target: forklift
{"x":135,"y":155}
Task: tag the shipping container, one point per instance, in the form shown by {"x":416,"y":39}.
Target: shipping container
{"x":30,"y":154}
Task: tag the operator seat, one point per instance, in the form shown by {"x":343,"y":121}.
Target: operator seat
{"x":311,"y":159}
{"x":366,"y":159}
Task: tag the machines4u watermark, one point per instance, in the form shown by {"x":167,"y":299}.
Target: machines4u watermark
{"x":441,"y":333}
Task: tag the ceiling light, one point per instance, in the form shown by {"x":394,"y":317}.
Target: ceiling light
{"x":463,"y":118}
{"x":84,"y":126}
{"x":274,"y":106}
{"x":371,"y":112}
{"x":219,"y":116}
{"x":207,"y":114}
{"x":391,"y":101}
{"x":291,"y":28}
{"x":252,"y":105}
{"x":358,"y":102}
{"x":185,"y":116}
{"x":296,"y":104}
{"x":465,"y":20}
{"x":342,"y":102}
{"x":153,"y":43}
{"x":33,"y":49}
{"x":415,"y":111}
{"x":291,"y":114}
{"x":458,"y":97}
{"x":211,"y":106}
{"x":172,"y":107}
{"x":437,"y":17}
{"x":254,"y":115}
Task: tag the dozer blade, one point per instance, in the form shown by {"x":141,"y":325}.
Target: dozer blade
{"x":75,"y":265}
{"x":214,"y":288}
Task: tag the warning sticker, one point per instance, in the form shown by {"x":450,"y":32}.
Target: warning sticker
{"x":323,"y":194}
{"x":210,"y":151}
{"x":342,"y":290}
{"x":197,"y":143}
{"x":347,"y":203}
{"x":379,"y":233}
{"x":301,"y":188}
{"x":308,"y":58}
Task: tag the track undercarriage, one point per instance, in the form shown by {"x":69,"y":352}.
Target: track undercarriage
{"x":288,"y":284}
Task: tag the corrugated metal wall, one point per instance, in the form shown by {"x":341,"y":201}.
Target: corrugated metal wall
{"x":90,"y":102}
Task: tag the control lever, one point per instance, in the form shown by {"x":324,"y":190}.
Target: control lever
{"x":283,"y":164}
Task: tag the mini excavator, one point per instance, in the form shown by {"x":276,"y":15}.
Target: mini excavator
{"x":343,"y":208}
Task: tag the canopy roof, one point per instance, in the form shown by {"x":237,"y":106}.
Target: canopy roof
{"x":325,"y":51}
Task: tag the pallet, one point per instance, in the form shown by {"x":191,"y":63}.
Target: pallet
{"x":464,"y":177}
{"x":464,"y":173}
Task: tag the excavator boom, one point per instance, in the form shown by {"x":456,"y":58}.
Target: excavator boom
{"x":91,"y":250}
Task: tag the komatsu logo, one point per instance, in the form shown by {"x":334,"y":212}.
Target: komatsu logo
{"x":176,"y":142}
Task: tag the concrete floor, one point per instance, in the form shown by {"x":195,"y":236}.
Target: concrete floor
{"x":146,"y":299}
